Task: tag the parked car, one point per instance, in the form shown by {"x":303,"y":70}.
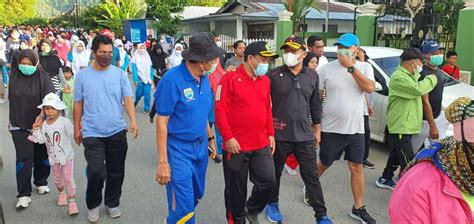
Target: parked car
{"x":385,"y":61}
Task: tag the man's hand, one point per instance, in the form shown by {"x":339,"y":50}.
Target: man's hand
{"x":134,"y":129}
{"x":78,"y":136}
{"x":232,"y":146}
{"x":371,"y":111}
{"x":434,"y":133}
{"x":163,"y":173}
{"x":317,"y":134}
{"x":271,"y":139}
{"x":345,"y":60}
{"x":231,"y":68}
{"x":212,"y":145}
{"x":38,"y":121}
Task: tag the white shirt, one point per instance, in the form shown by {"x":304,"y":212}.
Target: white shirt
{"x":322,"y":61}
{"x":343,"y":106}
{"x":57,"y":137}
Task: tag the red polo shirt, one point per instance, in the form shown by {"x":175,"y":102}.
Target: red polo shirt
{"x":452,"y":71}
{"x":243,"y":109}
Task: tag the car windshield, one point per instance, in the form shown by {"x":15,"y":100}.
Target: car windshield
{"x":390,"y":64}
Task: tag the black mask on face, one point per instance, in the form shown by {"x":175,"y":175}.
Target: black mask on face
{"x":104,"y":60}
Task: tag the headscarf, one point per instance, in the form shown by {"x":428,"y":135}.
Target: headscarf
{"x":62,"y":49}
{"x":310,"y":55}
{"x":176,"y":58}
{"x":122,"y":51}
{"x":79,"y":58}
{"x":143,"y":62}
{"x":158,"y":59}
{"x":455,"y":158}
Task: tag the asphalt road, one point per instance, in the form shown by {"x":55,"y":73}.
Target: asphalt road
{"x":144,"y":201}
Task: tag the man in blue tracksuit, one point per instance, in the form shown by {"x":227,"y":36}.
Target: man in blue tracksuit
{"x":183,"y":102}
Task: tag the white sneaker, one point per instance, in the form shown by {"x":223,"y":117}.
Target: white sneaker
{"x":23,"y":202}
{"x":290,"y":171}
{"x":42,"y":189}
{"x":114,"y":212}
{"x":93,"y":214}
{"x":3,"y":101}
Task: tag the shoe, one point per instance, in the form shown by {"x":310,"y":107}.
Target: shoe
{"x":253,"y":219}
{"x":369,"y":165}
{"x":73,"y":209}
{"x":3,"y":101}
{"x":324,"y":220}
{"x":384,"y":183}
{"x":273,"y":213}
{"x":23,"y":202}
{"x":362,"y":215}
{"x":305,"y":196}
{"x":42,"y":189}
{"x":218,"y":159}
{"x":114,"y":212}
{"x":93,"y":214}
{"x":290,"y":171}
{"x":62,"y":199}
{"x":146,"y":112}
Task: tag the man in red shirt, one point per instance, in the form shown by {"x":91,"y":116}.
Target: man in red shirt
{"x":244,"y":119}
{"x":450,"y":67}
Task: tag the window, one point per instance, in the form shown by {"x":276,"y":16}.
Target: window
{"x":331,"y":27}
{"x":260,"y":31}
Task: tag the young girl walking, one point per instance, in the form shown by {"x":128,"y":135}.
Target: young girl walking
{"x":68,"y":90}
{"x":57,"y":132}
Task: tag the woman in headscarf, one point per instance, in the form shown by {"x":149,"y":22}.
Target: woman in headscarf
{"x":176,"y":58}
{"x":79,"y":57}
{"x":51,"y":63}
{"x":29,"y":83}
{"x":158,"y":60}
{"x":127,"y":45}
{"x":142,"y":76}
{"x":124,"y":58}
{"x":62,"y":49}
{"x":438,"y":186}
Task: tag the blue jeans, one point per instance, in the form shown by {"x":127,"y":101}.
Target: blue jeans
{"x":143,"y":90}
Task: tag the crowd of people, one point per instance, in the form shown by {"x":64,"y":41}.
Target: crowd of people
{"x":258,"y":121}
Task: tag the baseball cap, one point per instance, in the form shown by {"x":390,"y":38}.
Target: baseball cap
{"x":202,"y":48}
{"x":430,"y":46}
{"x":53,"y":100}
{"x":348,"y":40}
{"x":293,"y":42}
{"x":260,"y":48}
{"x":411,"y":53}
{"x":107,"y":32}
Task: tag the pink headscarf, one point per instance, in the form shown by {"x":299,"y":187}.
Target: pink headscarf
{"x":62,"y":49}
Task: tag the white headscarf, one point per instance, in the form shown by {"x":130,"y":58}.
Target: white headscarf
{"x":176,"y":58}
{"x":80,"y":58}
{"x":143,"y":63}
{"x":122,"y":52}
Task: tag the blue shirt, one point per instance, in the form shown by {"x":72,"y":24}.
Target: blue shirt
{"x":102,"y":93}
{"x":186,"y":101}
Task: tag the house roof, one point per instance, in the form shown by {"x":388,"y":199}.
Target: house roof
{"x":197,"y":11}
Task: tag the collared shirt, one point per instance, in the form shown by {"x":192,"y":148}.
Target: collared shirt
{"x":186,"y":101}
{"x":436,"y":95}
{"x":243,"y":109}
{"x":102,"y":93}
{"x":296,"y":103}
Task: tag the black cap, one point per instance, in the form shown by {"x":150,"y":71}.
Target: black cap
{"x":411,"y":53}
{"x":202,"y":48}
{"x":260,"y":48}
{"x":294,"y":42}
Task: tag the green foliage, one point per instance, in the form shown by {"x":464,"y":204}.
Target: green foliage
{"x":113,"y":12}
{"x":447,"y":12}
{"x":213,"y":3}
{"x":166,"y":13}
{"x":16,"y":11}
{"x":36,"y":21}
{"x":299,"y":8}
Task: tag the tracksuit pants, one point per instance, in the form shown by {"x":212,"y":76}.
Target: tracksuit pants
{"x":143,"y":90}
{"x":31,"y":158}
{"x":64,"y":176}
{"x":366,"y":136}
{"x":400,"y":155}
{"x":188,"y":164}
{"x":305,"y":153}
{"x":105,"y":162}
{"x":259,"y":164}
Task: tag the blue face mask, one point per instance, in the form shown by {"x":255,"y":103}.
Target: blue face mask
{"x":261,"y":69}
{"x":27,"y":70}
{"x":436,"y":60}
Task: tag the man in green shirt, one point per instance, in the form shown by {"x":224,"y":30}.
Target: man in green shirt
{"x":404,"y":112}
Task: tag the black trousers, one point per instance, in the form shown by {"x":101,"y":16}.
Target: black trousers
{"x":105,"y":162}
{"x":400,"y":155}
{"x":366,"y":136}
{"x":305,"y":153}
{"x":237,"y":167}
{"x":31,"y":158}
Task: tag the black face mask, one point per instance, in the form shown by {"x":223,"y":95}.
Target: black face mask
{"x":104,"y":60}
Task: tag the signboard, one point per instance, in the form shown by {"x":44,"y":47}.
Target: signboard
{"x":135,"y":35}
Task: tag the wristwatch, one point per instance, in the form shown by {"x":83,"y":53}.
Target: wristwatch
{"x":351,"y":69}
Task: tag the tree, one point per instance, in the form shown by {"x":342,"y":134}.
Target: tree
{"x":299,"y":9}
{"x":114,"y":11}
{"x":213,"y":3}
{"x":166,"y":12}
{"x":447,"y":16}
{"x":16,"y":11}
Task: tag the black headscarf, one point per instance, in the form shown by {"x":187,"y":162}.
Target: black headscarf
{"x":27,"y":92}
{"x":310,"y":55}
{"x":49,"y":61}
{"x":158,"y":59}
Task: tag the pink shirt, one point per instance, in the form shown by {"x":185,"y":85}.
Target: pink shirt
{"x":426,"y":195}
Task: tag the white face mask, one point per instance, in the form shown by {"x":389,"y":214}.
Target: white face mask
{"x":177,"y":53}
{"x":291,"y":59}
{"x":419,"y":68}
{"x":219,"y":43}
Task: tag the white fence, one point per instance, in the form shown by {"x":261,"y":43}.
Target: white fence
{"x":228,"y":41}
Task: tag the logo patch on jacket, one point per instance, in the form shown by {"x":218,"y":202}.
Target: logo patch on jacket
{"x":189,"y":94}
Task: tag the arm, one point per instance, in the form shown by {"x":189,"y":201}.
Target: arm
{"x":117,"y":60}
{"x":269,"y":124}
{"x":363,"y":82}
{"x":428,"y":114}
{"x":126,"y":63}
{"x":135,"y":73}
{"x":405,"y":88}
{"x":129,"y":106}
{"x":77,"y":116}
{"x":70,"y":58}
{"x":152,"y":73}
{"x":212,"y":143}
{"x":68,"y":128}
{"x":163,"y":171}
{"x":316,"y":109}
{"x":221,"y":108}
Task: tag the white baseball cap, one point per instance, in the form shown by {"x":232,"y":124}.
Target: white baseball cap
{"x":53,"y":100}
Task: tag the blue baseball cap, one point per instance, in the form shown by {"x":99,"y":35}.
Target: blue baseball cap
{"x":348,"y":40}
{"x":430,"y":46}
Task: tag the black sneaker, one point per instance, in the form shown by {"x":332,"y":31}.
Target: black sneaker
{"x":385,"y":183}
{"x":362,"y":215}
{"x":252,"y":218}
{"x":305,"y":196}
{"x":369,"y":165}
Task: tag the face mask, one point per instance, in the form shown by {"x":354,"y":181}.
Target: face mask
{"x":210,"y":71}
{"x":23,"y":47}
{"x":142,"y":51}
{"x":261,"y":69}
{"x":290,"y":59}
{"x":419,"y":68}
{"x":436,"y":60}
{"x":177,"y":53}
{"x":346,"y":52}
{"x":219,"y":43}
{"x":27,"y":70}
{"x":162,"y":40}
{"x":104,"y":60}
